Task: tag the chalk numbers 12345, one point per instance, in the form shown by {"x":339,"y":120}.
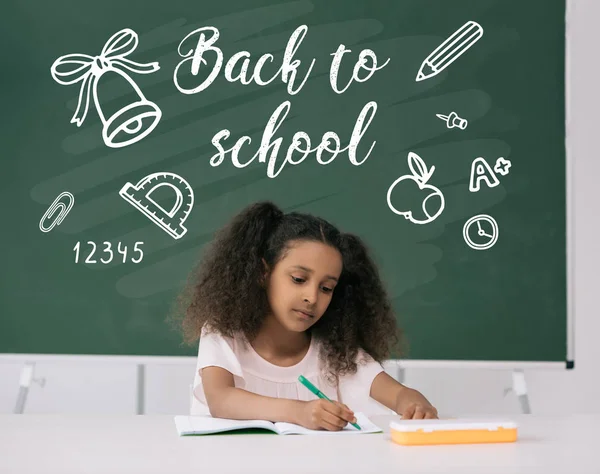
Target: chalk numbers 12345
{"x":107,"y":253}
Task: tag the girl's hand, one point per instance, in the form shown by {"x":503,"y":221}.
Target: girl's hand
{"x":323,"y":414}
{"x":411,"y":404}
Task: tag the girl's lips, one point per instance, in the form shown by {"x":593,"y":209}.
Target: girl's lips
{"x":303,"y":314}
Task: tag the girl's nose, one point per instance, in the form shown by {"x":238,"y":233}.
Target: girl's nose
{"x":311,"y":296}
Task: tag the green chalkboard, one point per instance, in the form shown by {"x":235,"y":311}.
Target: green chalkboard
{"x":482,"y":134}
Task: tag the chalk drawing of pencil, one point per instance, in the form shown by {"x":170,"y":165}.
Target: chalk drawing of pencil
{"x":450,"y":50}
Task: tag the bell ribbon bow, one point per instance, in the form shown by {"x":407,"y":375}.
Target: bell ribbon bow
{"x":82,"y":67}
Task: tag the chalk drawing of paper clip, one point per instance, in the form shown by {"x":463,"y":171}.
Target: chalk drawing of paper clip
{"x":64,"y":202}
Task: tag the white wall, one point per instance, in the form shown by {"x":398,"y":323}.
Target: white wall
{"x":76,"y":388}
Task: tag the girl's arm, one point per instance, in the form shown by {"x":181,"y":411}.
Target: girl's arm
{"x":226,"y":401}
{"x":403,"y":400}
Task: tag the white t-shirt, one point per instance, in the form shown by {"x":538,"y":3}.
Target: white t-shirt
{"x":255,"y":374}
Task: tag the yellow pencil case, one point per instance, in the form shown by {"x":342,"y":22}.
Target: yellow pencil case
{"x":452,"y":431}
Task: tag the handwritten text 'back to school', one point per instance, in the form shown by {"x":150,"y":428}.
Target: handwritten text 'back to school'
{"x":196,"y":44}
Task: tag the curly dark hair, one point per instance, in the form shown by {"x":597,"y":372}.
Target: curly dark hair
{"x":226,"y":292}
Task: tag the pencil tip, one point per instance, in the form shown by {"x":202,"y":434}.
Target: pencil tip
{"x":425,"y":72}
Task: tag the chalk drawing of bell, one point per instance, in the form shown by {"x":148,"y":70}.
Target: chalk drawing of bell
{"x":131,"y":121}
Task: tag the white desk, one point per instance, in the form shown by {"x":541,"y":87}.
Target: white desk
{"x":91,"y":444}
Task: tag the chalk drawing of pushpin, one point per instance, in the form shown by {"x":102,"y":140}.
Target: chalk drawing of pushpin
{"x":128,"y":124}
{"x":453,"y":120}
{"x":450,"y":50}
{"x":63,"y":203}
{"x":170,"y":220}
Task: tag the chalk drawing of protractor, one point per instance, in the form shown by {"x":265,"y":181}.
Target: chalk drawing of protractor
{"x":171,"y":221}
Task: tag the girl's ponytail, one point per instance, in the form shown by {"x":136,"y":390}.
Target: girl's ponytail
{"x":235,"y":255}
{"x":362,"y":277}
{"x":247,"y":236}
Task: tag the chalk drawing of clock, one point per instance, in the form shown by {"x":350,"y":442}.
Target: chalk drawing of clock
{"x":480,"y":232}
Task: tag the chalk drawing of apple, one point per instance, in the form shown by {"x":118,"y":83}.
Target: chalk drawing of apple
{"x":433,"y":203}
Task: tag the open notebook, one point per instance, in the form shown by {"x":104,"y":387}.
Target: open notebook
{"x":203,"y":425}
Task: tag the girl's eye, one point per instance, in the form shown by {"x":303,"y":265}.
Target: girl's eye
{"x":300,"y":280}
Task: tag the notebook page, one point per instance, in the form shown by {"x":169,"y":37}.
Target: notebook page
{"x":366,"y":425}
{"x":188,"y":425}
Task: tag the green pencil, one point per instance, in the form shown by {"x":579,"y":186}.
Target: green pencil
{"x":318,"y":393}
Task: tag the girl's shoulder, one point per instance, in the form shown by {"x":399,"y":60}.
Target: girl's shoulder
{"x":212,"y":336}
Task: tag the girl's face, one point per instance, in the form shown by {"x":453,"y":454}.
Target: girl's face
{"x":300,"y":286}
